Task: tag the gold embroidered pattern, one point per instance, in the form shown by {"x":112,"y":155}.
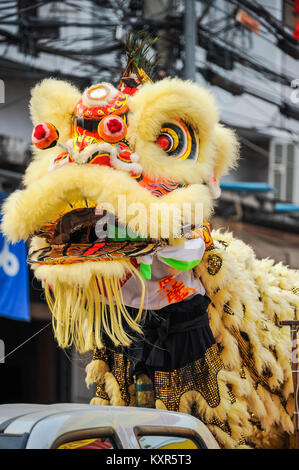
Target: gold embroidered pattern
{"x":225,"y":244}
{"x":223,"y":425}
{"x":214,"y":264}
{"x":242,"y":372}
{"x":227,"y":309}
{"x":231,"y":394}
{"x":101,"y":354}
{"x":242,"y":441}
{"x":248,"y":360}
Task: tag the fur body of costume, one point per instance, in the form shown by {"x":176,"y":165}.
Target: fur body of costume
{"x":152,"y":143}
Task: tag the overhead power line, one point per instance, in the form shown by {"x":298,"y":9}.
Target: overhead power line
{"x":217,"y":49}
{"x":263,"y":13}
{"x":26,"y":9}
{"x":285,"y":41}
{"x":236,"y":89}
{"x":70,"y":54}
{"x":207,"y":41}
{"x":290,"y":47}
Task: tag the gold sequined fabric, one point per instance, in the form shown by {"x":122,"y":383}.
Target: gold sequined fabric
{"x":100,"y":391}
{"x":119,"y":367}
{"x":214,"y":264}
{"x":200,"y":375}
{"x":120,"y":370}
{"x":100,"y":354}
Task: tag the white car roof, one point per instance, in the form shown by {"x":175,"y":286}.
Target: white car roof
{"x":45,"y":423}
{"x":11,"y":411}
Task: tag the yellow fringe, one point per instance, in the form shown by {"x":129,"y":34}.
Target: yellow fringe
{"x":80,"y":315}
{"x":113,"y":391}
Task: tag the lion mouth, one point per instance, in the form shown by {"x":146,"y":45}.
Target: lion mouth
{"x":75,"y":237}
{"x":75,"y":227}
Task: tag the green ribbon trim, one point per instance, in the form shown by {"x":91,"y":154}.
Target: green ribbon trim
{"x":146,"y":271}
{"x":181,"y":265}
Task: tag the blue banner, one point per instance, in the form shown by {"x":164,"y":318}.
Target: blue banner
{"x":14,"y":288}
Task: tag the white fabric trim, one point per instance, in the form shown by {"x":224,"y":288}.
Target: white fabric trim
{"x":191,"y":250}
{"x":112,"y":93}
{"x":157,"y":297}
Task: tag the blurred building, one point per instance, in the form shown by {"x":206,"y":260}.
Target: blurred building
{"x":251,"y":69}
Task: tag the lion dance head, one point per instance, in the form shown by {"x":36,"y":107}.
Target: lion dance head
{"x":112,"y":172}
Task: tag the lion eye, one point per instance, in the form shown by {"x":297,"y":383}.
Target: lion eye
{"x":178,"y":140}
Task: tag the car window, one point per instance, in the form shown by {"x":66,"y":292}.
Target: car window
{"x":92,"y":443}
{"x":167,"y":442}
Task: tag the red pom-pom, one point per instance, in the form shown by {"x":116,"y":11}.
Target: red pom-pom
{"x":45,"y":135}
{"x":114,"y":125}
{"x":39,"y":132}
{"x":163,"y":142}
{"x":112,"y":129}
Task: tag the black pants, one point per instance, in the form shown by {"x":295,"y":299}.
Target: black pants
{"x":174,"y":336}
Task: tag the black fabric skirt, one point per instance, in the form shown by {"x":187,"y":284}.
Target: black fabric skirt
{"x":174,"y":336}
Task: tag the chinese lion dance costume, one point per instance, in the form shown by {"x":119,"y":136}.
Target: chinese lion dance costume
{"x":193,"y":311}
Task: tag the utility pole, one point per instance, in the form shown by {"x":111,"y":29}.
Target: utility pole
{"x":190,"y":40}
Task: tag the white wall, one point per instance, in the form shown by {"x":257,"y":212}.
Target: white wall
{"x":250,"y":112}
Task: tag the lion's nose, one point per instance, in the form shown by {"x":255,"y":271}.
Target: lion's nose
{"x":112,"y":129}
